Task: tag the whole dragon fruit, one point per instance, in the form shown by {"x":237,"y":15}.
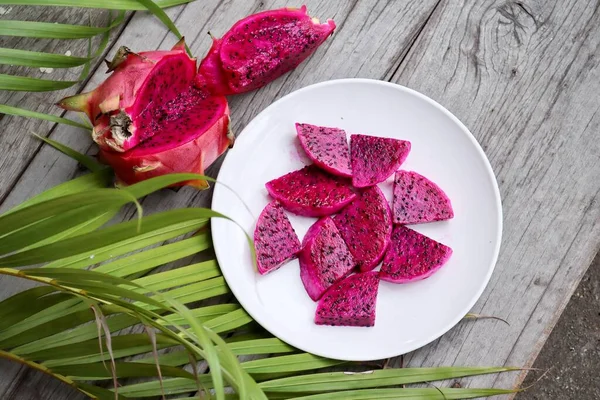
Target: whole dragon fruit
{"x":350,"y":302}
{"x":366,"y":226}
{"x":326,"y":147}
{"x":260,"y":48}
{"x":311,"y":192}
{"x":324,"y":258}
{"x":274,"y":239}
{"x":412,"y":256}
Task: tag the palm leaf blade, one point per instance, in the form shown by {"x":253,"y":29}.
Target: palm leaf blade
{"x":105,"y":4}
{"x":27,"y":84}
{"x":38,"y":59}
{"x":330,"y":381}
{"x":409,"y":393}
{"x":9,"y":110}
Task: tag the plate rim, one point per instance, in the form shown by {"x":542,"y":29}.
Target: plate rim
{"x":488,"y":169}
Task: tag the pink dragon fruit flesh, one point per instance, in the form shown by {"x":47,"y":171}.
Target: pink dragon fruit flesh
{"x":374,"y":159}
{"x":274,"y":239}
{"x":324,"y":258}
{"x":418,"y":200}
{"x":350,"y":302}
{"x":412,"y":256}
{"x":149,"y":120}
{"x":326,"y":147}
{"x":190,"y":141}
{"x":260,"y":48}
{"x":130,"y":105}
{"x":311,"y":192}
{"x":366,"y":226}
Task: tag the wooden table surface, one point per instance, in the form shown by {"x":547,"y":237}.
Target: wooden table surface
{"x":524,"y":77}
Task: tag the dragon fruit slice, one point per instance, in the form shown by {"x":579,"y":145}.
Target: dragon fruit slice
{"x":127,"y":107}
{"x":326,"y":147}
{"x":260,"y":48}
{"x":418,"y":200}
{"x":374,"y":159}
{"x":350,"y":302}
{"x":311,"y":192}
{"x":412,"y":256}
{"x":188,"y":142}
{"x":324,"y":258}
{"x":366,"y":226}
{"x":274,"y":239}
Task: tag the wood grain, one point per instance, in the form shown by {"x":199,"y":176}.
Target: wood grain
{"x":523,"y":76}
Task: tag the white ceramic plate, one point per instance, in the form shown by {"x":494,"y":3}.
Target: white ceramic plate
{"x":408,"y":315}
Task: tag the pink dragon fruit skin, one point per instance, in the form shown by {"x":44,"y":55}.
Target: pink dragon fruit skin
{"x":418,"y":200}
{"x":177,"y":150}
{"x":274,"y":239}
{"x":324,"y":258}
{"x":350,"y":302}
{"x":412,"y":256}
{"x":374,"y":159}
{"x":326,"y":147}
{"x":260,"y":48}
{"x":311,"y":192}
{"x":124,"y":108}
{"x":366,"y":226}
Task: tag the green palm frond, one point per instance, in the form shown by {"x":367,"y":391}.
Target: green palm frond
{"x":4,"y":109}
{"x":109,"y":279}
{"x":48,"y":30}
{"x":102,"y":4}
{"x":37,"y":59}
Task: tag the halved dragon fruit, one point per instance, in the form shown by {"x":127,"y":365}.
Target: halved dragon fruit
{"x":311,"y":192}
{"x":187,"y":143}
{"x":274,"y":239}
{"x":418,"y":200}
{"x":260,"y":48}
{"x":324,"y":258}
{"x":366,"y":226}
{"x":350,"y":302}
{"x":326,"y":147}
{"x":145,"y":88}
{"x":412,"y":256}
{"x":156,"y":94}
{"x":374,"y":159}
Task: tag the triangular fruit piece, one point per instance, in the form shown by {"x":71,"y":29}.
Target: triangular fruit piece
{"x":374,"y":159}
{"x":324,"y":258}
{"x":311,"y":192}
{"x":412,"y":256}
{"x":418,"y":200}
{"x":366,"y":226}
{"x":350,"y":302}
{"x":274,"y":239}
{"x":326,"y":147}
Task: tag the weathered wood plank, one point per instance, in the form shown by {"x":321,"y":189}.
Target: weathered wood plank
{"x":17,"y":130}
{"x":359,"y":26}
{"x":524,"y":77}
{"x":29,"y":384}
{"x":510,"y":72}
